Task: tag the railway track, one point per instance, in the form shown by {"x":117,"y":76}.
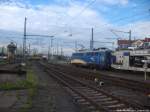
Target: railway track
{"x":12,"y":69}
{"x":89,"y":97}
{"x":118,"y":81}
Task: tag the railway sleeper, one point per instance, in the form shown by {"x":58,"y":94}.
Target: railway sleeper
{"x":81,"y":100}
{"x":83,"y":95}
{"x":96,"y":111}
{"x":97,"y":97}
{"x":102,"y":101}
{"x":87,"y":105}
{"x":84,"y":103}
{"x":106,"y":99}
{"x":90,"y":107}
{"x":98,"y":94}
{"x":116,"y":106}
{"x":91,"y":91}
{"x":86,"y":89}
{"x":110,"y":102}
{"x":76,"y":97}
{"x":102,"y":96}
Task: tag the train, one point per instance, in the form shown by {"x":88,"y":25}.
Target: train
{"x":129,"y":60}
{"x":98,"y":58}
{"x":132,"y":60}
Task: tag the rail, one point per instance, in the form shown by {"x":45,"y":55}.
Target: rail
{"x":97,"y":98}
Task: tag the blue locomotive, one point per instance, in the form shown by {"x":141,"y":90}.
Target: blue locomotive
{"x":100,"y":58}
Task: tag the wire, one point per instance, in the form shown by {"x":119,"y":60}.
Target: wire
{"x":77,"y":15}
{"x":130,"y":17}
{"x":123,"y":18}
{"x":85,"y":8}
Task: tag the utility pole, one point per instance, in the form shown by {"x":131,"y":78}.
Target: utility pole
{"x":29,"y":49}
{"x":76,"y":46}
{"x":50,"y":50}
{"x":61,"y":51}
{"x":130,"y":41}
{"x":24,"y":40}
{"x":92,"y":41}
{"x":57,"y":48}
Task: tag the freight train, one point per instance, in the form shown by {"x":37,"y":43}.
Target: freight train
{"x":98,"y":58}
{"x":130,"y":60}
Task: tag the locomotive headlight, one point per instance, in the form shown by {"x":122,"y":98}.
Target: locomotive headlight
{"x":96,"y":80}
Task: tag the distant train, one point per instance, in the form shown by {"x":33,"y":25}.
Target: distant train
{"x":128,"y":60}
{"x":100,"y":58}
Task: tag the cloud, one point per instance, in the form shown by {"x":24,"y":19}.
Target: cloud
{"x":107,"y":2}
{"x":45,"y":18}
{"x":139,"y":29}
{"x":115,"y":2}
{"x":42,"y":17}
{"x":60,"y":21}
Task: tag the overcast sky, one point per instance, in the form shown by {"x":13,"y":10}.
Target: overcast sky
{"x":72,"y":20}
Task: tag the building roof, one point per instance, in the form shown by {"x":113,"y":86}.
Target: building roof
{"x":123,"y":42}
{"x":120,"y":42}
{"x":147,"y":40}
{"x":137,"y":41}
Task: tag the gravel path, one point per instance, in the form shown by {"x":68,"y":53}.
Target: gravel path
{"x":51,"y":96}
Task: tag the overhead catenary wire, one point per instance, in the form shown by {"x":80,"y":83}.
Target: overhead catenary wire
{"x":109,"y":27}
{"x":106,"y":25}
{"x":119,"y":19}
{"x":77,"y":15}
{"x":83,"y":10}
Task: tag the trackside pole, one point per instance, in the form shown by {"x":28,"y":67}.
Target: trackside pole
{"x":145,"y":71}
{"x":145,"y":75}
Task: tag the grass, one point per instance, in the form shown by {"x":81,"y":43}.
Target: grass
{"x":30,"y":83}
{"x":2,"y":62}
{"x":32,"y":78}
{"x":16,"y":86}
{"x":32,"y":90}
{"x":29,"y":102}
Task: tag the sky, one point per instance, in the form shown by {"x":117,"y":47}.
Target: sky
{"x":71,"y":20}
